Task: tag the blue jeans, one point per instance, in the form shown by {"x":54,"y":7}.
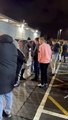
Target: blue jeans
{"x":32,"y":66}
{"x":8,"y":103}
{"x":55,"y":57}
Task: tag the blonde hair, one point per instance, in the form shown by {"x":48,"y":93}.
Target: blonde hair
{"x":42,"y":39}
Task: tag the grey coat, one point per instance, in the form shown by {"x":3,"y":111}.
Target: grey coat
{"x":8,"y":64}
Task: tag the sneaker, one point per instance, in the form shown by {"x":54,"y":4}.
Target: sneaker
{"x":16,"y":85}
{"x":6,"y":115}
{"x":41,"y":86}
{"x":46,"y":84}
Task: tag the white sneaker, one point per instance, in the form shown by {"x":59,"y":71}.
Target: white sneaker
{"x":6,"y":114}
{"x":40,"y":85}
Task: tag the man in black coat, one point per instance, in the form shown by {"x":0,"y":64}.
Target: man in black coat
{"x":35,"y":58}
{"x":8,"y":66}
{"x":20,"y":61}
{"x":65,"y":51}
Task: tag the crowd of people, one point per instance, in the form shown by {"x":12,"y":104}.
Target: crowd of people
{"x":13,"y":59}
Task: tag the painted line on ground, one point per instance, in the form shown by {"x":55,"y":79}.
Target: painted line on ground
{"x":62,"y":81}
{"x":57,"y":79}
{"x":55,"y":114}
{"x":42,"y":104}
{"x":56,"y":85}
{"x":62,"y":73}
{"x":58,"y":105}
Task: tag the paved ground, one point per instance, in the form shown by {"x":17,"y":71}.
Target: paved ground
{"x":33,"y":103}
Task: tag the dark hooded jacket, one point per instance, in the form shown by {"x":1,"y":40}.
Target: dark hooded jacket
{"x":8,"y":64}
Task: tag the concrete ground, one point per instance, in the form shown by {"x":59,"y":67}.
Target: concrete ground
{"x":51,"y":103}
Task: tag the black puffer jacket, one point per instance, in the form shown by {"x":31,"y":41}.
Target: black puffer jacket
{"x":56,"y":48}
{"x":8,"y":64}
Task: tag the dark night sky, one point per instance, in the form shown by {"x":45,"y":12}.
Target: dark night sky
{"x":46,"y":15}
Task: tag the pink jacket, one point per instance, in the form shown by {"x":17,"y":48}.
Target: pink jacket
{"x":44,"y":54}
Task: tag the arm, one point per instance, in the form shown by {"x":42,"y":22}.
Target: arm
{"x":39,"y":54}
{"x":21,"y":56}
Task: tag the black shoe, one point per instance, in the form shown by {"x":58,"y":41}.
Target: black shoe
{"x":60,"y":61}
{"x":53,"y":74}
{"x":43,"y":85}
{"x":6,"y":115}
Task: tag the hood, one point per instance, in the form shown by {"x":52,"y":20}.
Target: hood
{"x":6,"y":39}
{"x":16,"y":44}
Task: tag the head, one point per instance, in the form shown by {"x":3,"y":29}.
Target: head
{"x":41,"y":40}
{"x":20,"y":44}
{"x":37,"y":40}
{"x":28,"y":38}
{"x":61,"y":42}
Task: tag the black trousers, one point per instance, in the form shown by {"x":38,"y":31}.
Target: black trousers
{"x":22,"y":74}
{"x":43,"y":68}
{"x":36,"y":69}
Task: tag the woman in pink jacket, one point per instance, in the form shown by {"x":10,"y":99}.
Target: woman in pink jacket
{"x":44,"y":57}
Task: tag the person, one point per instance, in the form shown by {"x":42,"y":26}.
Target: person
{"x":65,"y":51}
{"x":35,"y":59}
{"x":55,"y":56}
{"x":44,"y":57}
{"x":20,"y":61}
{"x":23,"y":49}
{"x":61,"y":51}
{"x":8,"y":66}
{"x":32,"y":49}
{"x":28,"y":39}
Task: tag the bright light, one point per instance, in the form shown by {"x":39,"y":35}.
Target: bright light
{"x":35,"y":34}
{"x":23,"y":25}
{"x":60,"y":30}
{"x":20,"y":29}
{"x":5,"y":20}
{"x":27,"y":28}
{"x":36,"y":31}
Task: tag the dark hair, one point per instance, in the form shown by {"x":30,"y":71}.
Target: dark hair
{"x":37,"y":39}
{"x":28,"y":38}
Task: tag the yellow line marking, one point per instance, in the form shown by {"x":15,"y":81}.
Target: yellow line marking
{"x":64,"y":83}
{"x":43,"y":102}
{"x":58,"y":105}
